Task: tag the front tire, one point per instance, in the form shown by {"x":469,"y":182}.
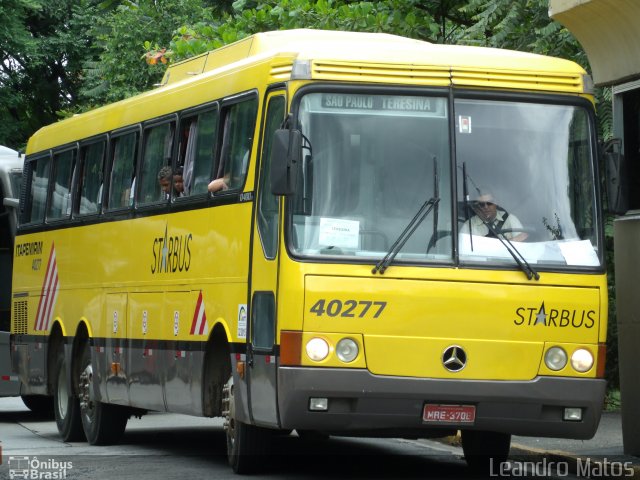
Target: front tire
{"x":103,"y":424}
{"x":66,"y":407}
{"x":485,"y":450}
{"x":246,"y":444}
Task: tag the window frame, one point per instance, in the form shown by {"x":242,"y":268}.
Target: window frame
{"x":184,"y":117}
{"x":145,"y":128}
{"x":225,"y":106}
{"x":262,"y":179}
{"x":113,"y":137}
{"x":80,"y":163}
{"x":26,"y":200}
{"x":56,"y":153}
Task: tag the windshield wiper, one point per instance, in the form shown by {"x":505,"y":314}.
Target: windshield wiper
{"x":508,"y":244}
{"x":415,"y":222}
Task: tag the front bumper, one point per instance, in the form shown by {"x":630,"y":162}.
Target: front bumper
{"x":363,"y":403}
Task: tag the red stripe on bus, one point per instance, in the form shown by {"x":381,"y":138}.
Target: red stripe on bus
{"x":44,"y":286}
{"x":50,"y":298}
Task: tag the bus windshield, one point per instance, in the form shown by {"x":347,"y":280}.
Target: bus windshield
{"x":523,"y":174}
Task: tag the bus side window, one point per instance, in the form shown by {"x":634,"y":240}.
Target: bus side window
{"x":237,"y":138}
{"x":123,"y":168}
{"x":157,"y":151}
{"x":197,"y":150}
{"x":60,"y":196}
{"x":91,"y":171}
{"x":267,"y":201}
{"x":36,"y":200}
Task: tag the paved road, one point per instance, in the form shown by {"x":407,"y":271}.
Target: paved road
{"x":167,"y":446}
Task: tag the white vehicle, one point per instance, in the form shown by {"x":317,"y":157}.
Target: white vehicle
{"x":11,"y":163}
{"x":10,"y":178}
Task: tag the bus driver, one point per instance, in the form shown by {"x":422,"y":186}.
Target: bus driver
{"x":488,"y":211}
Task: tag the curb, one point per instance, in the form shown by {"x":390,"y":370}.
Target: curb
{"x":583,"y":466}
{"x":546,"y":461}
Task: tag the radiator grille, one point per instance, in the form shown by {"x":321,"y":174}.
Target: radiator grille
{"x":20,"y":315}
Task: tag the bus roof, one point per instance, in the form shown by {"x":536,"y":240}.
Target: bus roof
{"x":365,"y":47}
{"x":376,"y":58}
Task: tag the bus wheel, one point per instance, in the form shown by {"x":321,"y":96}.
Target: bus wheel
{"x":39,"y":404}
{"x":66,"y":407}
{"x":103,"y":424}
{"x":246,"y":444}
{"x":484,"y":450}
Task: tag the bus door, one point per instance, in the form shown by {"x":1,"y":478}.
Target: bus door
{"x":261,"y":338}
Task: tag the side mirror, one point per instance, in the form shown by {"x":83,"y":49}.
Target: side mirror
{"x":286,"y":152}
{"x":616,"y":179}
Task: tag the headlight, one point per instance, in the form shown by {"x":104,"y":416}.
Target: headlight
{"x":582,"y":360}
{"x":317,"y":349}
{"x":555,"y":358}
{"x":347,"y":350}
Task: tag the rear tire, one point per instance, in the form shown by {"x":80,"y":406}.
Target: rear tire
{"x":103,"y":424}
{"x":485,"y":450}
{"x":246,"y":444}
{"x":66,"y":407}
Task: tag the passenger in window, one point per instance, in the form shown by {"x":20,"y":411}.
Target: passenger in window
{"x":219,"y":184}
{"x":165,"y":175}
{"x":228,"y":180}
{"x":487,"y":210}
{"x":178,"y":183}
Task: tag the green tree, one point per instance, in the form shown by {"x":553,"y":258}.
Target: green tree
{"x":42,"y":45}
{"x":523,"y":25}
{"x":439,"y":21}
{"x":114,"y":70}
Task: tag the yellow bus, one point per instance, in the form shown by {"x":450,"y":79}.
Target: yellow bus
{"x":336,"y":233}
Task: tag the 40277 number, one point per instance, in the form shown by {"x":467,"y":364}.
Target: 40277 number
{"x":347,"y":308}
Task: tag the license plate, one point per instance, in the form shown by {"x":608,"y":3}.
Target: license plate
{"x":449,"y":413}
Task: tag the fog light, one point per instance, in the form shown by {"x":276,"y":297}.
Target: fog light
{"x":555,"y":358}
{"x":347,"y":350}
{"x":317,"y":349}
{"x":582,"y":360}
{"x":572,"y":414}
{"x":318,"y":404}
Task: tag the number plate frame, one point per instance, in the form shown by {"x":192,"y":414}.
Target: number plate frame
{"x":449,"y":414}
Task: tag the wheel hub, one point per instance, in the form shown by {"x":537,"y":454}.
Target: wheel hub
{"x":228,"y":410}
{"x":85,"y":390}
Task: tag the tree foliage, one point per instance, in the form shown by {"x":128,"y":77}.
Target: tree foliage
{"x":42,"y":46}
{"x":64,"y":56}
{"x":114,"y":70}
{"x":439,"y":21}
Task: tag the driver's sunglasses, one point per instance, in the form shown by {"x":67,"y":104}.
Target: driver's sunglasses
{"x":484,"y":204}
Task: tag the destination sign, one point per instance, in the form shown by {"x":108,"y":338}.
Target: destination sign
{"x":391,"y":103}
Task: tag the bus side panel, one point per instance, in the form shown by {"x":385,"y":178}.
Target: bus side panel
{"x":183,"y":357}
{"x":146,"y":359}
{"x":116,"y":368}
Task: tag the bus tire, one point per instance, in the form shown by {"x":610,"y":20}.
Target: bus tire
{"x":103,"y":424}
{"x":41,"y":405}
{"x":482,"y":450}
{"x":246,"y":444}
{"x":66,"y":407}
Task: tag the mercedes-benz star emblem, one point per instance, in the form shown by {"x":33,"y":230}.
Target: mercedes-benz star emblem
{"x":454,"y":358}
